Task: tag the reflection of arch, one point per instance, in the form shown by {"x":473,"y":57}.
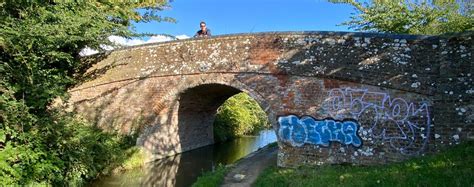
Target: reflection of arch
{"x":187,"y":123}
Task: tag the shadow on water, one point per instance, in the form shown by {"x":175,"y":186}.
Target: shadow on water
{"x":183,"y":169}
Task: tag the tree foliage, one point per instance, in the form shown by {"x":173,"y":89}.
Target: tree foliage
{"x":412,"y":17}
{"x":40,"y":43}
{"x":239,"y":115}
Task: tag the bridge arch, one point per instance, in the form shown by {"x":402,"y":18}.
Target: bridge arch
{"x":189,"y":123}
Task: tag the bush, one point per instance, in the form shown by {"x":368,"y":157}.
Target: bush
{"x":40,"y":43}
{"x":239,"y":115}
{"x":54,"y":149}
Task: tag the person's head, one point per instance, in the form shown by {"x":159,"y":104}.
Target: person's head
{"x":202,"y":25}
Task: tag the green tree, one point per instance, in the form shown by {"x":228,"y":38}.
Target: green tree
{"x":40,"y":43}
{"x":429,"y":17}
{"x":239,"y":115}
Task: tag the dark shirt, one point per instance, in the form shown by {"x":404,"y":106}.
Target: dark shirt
{"x":201,"y":33}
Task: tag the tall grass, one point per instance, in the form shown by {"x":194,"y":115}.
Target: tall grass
{"x":212,"y":178}
{"x":455,"y":167}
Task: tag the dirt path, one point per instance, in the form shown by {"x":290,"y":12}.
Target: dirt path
{"x":246,"y":171}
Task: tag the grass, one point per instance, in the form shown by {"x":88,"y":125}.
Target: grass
{"x":453,"y":167}
{"x":130,"y":158}
{"x":212,"y":178}
{"x":135,"y":158}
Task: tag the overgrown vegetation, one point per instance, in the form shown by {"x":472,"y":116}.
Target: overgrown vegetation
{"x":134,"y":158}
{"x":55,"y":149}
{"x":212,"y":178}
{"x":40,"y":43}
{"x":454,"y":167}
{"x":239,"y":115}
{"x":427,"y":17}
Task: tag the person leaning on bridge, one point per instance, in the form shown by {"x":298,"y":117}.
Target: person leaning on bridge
{"x":204,"y":32}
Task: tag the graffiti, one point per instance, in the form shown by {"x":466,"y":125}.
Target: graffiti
{"x":405,"y":125}
{"x":319,"y":132}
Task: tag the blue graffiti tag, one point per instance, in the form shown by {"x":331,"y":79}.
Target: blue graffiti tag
{"x":298,"y":131}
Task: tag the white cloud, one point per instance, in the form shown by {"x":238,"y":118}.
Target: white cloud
{"x":182,"y":37}
{"x":106,"y":47}
{"x":118,"y":40}
{"x":87,"y":51}
{"x":131,"y":42}
{"x":158,"y":38}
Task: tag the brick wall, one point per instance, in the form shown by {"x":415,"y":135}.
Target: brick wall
{"x":331,"y":97}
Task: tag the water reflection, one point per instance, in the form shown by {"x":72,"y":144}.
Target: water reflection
{"x":161,"y":173}
{"x":183,"y":169}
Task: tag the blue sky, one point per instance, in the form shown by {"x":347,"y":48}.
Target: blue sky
{"x":245,"y":16}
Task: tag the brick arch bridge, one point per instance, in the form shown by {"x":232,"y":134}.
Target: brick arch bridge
{"x":331,"y":97}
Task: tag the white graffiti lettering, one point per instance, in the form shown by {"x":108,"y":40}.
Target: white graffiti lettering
{"x":405,"y":125}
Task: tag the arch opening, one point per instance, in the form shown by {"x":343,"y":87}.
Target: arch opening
{"x":197,"y":111}
{"x":187,"y":120}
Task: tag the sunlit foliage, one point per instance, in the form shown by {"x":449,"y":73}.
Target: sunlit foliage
{"x":432,"y":17}
{"x":239,"y":115}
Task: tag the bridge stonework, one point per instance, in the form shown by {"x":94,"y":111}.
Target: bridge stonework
{"x":331,"y":97}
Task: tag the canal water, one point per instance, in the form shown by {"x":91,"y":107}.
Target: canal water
{"x":182,"y":170}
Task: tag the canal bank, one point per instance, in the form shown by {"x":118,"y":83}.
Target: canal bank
{"x":245,"y":171}
{"x":183,"y":169}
